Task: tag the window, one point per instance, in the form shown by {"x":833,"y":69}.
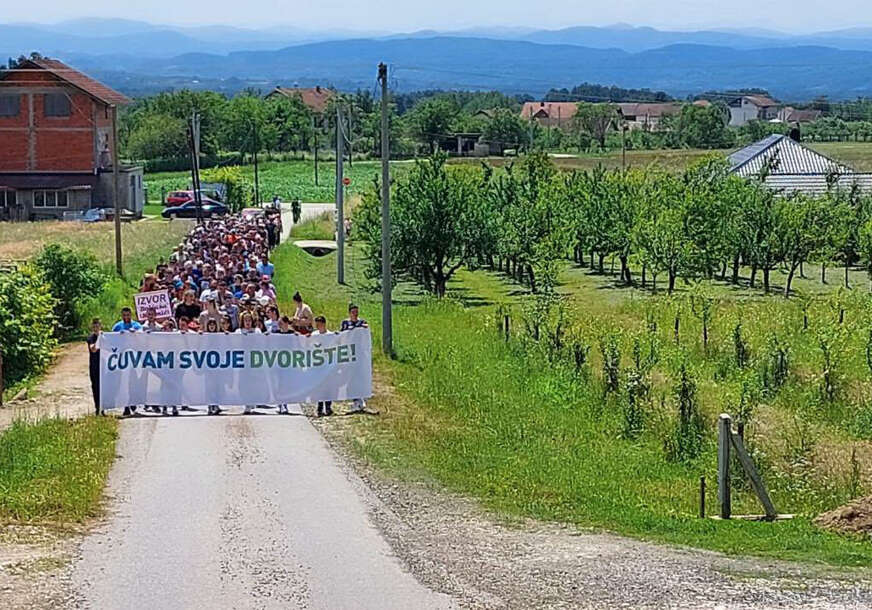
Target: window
{"x":57,"y":104}
{"x":7,"y":198}
{"x":10,"y":105}
{"x":50,"y":199}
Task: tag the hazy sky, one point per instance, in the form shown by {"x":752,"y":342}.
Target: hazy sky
{"x":406,"y":15}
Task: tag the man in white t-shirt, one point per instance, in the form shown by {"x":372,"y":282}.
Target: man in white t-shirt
{"x":325,"y":407}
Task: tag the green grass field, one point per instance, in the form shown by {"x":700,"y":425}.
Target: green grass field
{"x":531,"y":438}
{"x":54,"y":471}
{"x":289,"y":180}
{"x":295,"y":179}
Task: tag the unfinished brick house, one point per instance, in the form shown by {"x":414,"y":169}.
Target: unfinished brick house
{"x":55,"y":143}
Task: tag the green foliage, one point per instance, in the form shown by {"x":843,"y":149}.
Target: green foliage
{"x":702,"y":127}
{"x":74,"y":277}
{"x":28,"y":323}
{"x":240,"y":190}
{"x":610,"y":351}
{"x":54,"y":470}
{"x":435,"y":223}
{"x":686,"y":441}
{"x":158,"y":136}
{"x":595,"y":120}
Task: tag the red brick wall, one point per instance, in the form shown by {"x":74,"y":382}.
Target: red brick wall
{"x":57,"y":143}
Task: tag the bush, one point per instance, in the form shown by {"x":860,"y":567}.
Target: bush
{"x":73,"y":277}
{"x":27,"y":325}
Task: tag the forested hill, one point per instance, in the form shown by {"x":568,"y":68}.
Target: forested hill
{"x":510,"y":66}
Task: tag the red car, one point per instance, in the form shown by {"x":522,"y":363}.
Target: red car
{"x":179,"y":197}
{"x":175,"y":198}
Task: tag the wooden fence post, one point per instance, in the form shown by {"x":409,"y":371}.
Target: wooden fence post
{"x":756,"y":479}
{"x":724,"y":442}
{"x":702,"y":497}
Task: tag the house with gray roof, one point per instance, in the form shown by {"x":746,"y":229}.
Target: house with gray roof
{"x":790,"y":167}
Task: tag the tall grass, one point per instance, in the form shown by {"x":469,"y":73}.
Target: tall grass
{"x":321,"y":227}
{"x":55,"y":470}
{"x":529,"y":433}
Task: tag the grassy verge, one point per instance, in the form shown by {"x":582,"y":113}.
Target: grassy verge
{"x":531,"y":438}
{"x":55,"y":470}
{"x":321,"y":227}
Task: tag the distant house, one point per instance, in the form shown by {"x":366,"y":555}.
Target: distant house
{"x":647,"y":116}
{"x":791,"y":167}
{"x":746,"y":108}
{"x":56,"y":152}
{"x":550,"y":114}
{"x":315,"y":98}
{"x":789,"y":114}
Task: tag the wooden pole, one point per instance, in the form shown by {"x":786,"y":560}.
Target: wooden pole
{"x":756,"y":479}
{"x":387,"y":282}
{"x":702,"y":497}
{"x":116,"y":191}
{"x":724,"y":442}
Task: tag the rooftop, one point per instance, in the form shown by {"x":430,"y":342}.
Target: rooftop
{"x":72,"y":76}
{"x":315,"y":98}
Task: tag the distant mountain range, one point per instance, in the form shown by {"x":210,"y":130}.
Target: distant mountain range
{"x":141,"y":58}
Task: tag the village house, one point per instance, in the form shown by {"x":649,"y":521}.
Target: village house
{"x":550,"y":114}
{"x":789,"y":167}
{"x":316,"y":99}
{"x":746,"y":108}
{"x":789,"y":114}
{"x":56,"y":153}
{"x":647,"y":117}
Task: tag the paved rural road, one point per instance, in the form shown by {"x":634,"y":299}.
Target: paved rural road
{"x":237,"y":512}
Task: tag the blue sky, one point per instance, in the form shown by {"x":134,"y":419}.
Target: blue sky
{"x":407,"y":15}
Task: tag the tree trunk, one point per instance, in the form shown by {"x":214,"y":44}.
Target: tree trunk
{"x":723,"y":270}
{"x":601,"y":258}
{"x":753,"y":275}
{"x":591,"y":261}
{"x":643,"y":274}
{"x":823,"y":273}
{"x":766,"y":280}
{"x":532,"y":278}
{"x":789,"y":280}
{"x":625,"y":270}
{"x":736,"y":269}
{"x":671,"y":281}
{"x":802,"y":270}
{"x":847,"y":283}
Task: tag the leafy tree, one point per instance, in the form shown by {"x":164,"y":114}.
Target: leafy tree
{"x":505,"y":127}
{"x":433,"y":223}
{"x":596,"y":120}
{"x":431,"y":119}
{"x":291,"y":121}
{"x":73,"y":277}
{"x":158,"y":136}
{"x":239,"y":190}
{"x":801,"y":229}
{"x":702,"y":127}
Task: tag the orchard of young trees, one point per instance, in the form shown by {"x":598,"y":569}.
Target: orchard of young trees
{"x":528,"y":219}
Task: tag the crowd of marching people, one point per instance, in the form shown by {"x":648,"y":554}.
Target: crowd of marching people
{"x":220,"y":280}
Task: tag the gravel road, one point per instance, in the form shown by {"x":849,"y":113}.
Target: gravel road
{"x":237,"y":512}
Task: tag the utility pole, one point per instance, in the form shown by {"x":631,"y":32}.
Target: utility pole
{"x":340,"y":203}
{"x":317,"y":144}
{"x":387,"y":320}
{"x":623,"y":146}
{"x":116,"y":190}
{"x":195,"y":164}
{"x":256,"y":175}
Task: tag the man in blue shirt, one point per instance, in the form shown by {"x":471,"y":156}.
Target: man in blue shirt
{"x":127,"y":323}
{"x":264,"y":267}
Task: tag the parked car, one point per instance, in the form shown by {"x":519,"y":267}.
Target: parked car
{"x":175,"y":198}
{"x":189,"y":209}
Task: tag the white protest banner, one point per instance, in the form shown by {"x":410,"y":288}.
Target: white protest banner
{"x":139,"y":368}
{"x":159,"y":300}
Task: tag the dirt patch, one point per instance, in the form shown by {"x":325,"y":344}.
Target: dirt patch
{"x":853,"y":518}
{"x":64,"y":392}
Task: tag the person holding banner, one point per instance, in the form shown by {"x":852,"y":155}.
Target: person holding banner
{"x":247,"y":327}
{"x":358,"y":405}
{"x":94,"y":362}
{"x":325,"y":407}
{"x":151,"y":324}
{"x":212,"y":327}
{"x":127,"y":324}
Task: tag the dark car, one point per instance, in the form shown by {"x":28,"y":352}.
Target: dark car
{"x":189,"y":209}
